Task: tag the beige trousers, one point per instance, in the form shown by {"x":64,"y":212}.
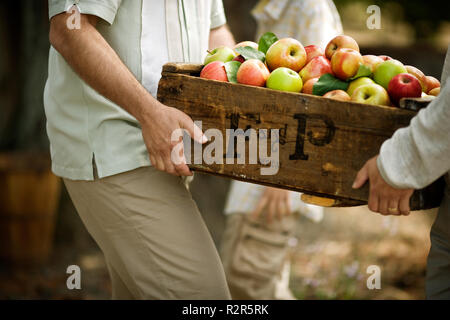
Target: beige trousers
{"x":256,"y":256}
{"x":155,"y":242}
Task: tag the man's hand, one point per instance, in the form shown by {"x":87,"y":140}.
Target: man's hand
{"x":275,"y":202}
{"x":158,"y":125}
{"x":382,"y":197}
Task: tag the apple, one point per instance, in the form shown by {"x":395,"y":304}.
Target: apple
{"x":214,"y":71}
{"x":223,"y":54}
{"x":288,"y":53}
{"x":315,"y":68}
{"x":358,"y":83}
{"x":386,"y":71}
{"x":372,"y":61}
{"x":338,"y":95}
{"x":253,"y":72}
{"x":285,"y":79}
{"x":239,"y":58}
{"x":432,"y":83}
{"x":339,"y":42}
{"x":371,"y":94}
{"x":313,"y":51}
{"x":308,"y":86}
{"x":419,"y":75}
{"x":434,"y":92}
{"x":252,"y":44}
{"x":404,"y":85}
{"x":345,"y":63}
{"x":385,"y":58}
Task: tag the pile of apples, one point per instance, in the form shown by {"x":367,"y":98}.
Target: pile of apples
{"x":339,"y":72}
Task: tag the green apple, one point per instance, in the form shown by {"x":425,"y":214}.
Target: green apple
{"x":358,"y":83}
{"x":285,"y":79}
{"x":223,"y":54}
{"x":386,"y":70}
{"x":371,"y":94}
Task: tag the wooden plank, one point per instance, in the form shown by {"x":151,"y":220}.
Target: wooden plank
{"x":323,"y":142}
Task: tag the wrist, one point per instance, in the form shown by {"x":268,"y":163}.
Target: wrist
{"x":148,"y":109}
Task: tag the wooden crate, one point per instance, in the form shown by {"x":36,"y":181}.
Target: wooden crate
{"x":323,"y":142}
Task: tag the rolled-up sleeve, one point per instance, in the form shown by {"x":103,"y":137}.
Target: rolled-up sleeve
{"x":218,"y":17}
{"x":104,"y":9}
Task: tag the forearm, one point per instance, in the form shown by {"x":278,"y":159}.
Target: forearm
{"x":92,"y":58}
{"x":221,"y":36}
{"x":419,"y":154}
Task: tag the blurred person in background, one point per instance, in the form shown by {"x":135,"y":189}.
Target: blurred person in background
{"x":260,"y":220}
{"x":413,"y":158}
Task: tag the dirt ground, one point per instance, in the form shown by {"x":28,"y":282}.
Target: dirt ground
{"x":329,"y":261}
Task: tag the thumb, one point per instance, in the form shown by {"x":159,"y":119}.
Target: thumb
{"x":361,"y":178}
{"x":194,"y":131}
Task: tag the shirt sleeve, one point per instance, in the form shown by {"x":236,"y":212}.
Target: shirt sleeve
{"x":218,"y":17}
{"x":104,"y":9}
{"x":419,"y":154}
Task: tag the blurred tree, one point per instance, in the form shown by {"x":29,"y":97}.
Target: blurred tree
{"x":424,"y":16}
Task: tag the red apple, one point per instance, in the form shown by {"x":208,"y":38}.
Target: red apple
{"x":313,"y":51}
{"x":214,"y":71}
{"x":372,"y":61}
{"x":239,"y":58}
{"x":385,"y":58}
{"x":315,"y":68}
{"x":288,"y":53}
{"x":404,"y":85}
{"x":345,"y":63}
{"x":339,"y":42}
{"x":309,"y":85}
{"x":338,"y":95}
{"x":253,"y":72}
{"x":419,"y":75}
{"x":435,"y":92}
{"x":247,"y":44}
{"x":432,"y":83}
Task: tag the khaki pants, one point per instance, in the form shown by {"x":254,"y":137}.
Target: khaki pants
{"x":255,"y":256}
{"x":155,"y":242}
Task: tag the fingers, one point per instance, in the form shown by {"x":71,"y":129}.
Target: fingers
{"x":393,"y":207}
{"x":373,"y":202}
{"x":404,"y":206}
{"x":194,"y":131}
{"x":382,"y":206}
{"x":272,"y":211}
{"x":361,"y":177}
{"x":259,"y":208}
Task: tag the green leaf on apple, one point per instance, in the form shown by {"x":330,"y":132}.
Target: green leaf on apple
{"x":363,"y":71}
{"x":232,"y":67}
{"x":327,"y":83}
{"x":251,"y":53}
{"x":266,"y":40}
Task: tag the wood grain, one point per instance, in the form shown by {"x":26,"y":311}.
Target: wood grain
{"x":323,"y":142}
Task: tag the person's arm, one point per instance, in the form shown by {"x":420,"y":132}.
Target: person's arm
{"x":221,"y":36}
{"x":91,"y":57}
{"x":412,"y":159}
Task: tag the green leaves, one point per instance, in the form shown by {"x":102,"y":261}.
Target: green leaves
{"x":232,"y":67}
{"x":266,"y":41}
{"x":328,"y":83}
{"x":251,"y":53}
{"x":363,"y":71}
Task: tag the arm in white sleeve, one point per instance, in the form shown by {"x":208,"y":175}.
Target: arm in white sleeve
{"x":417,"y":155}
